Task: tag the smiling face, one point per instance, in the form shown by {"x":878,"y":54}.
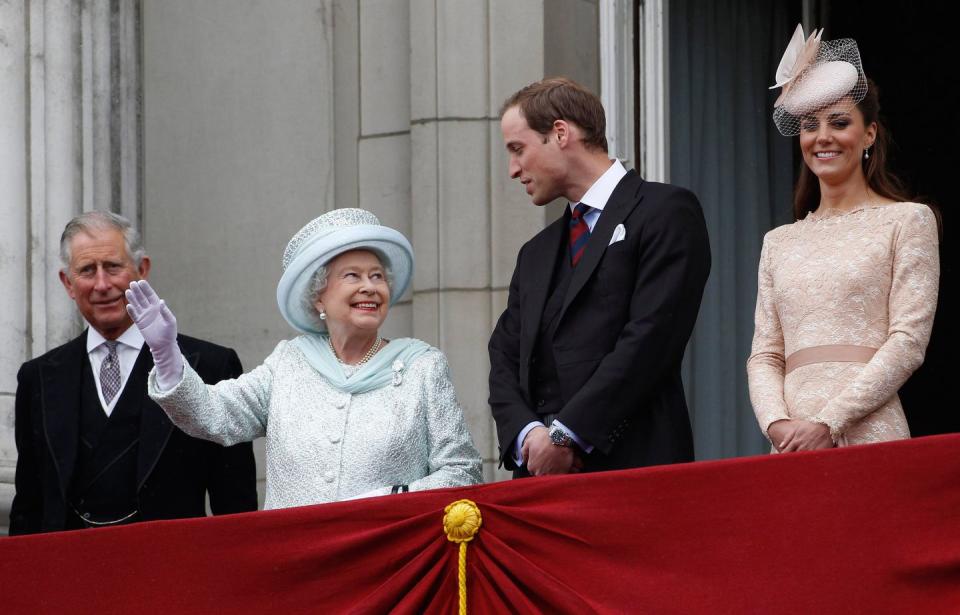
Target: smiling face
{"x":833,"y":140}
{"x":99,"y":272}
{"x":536,"y":160}
{"x":357,"y":296}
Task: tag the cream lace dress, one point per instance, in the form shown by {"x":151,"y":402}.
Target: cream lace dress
{"x":865,"y":278}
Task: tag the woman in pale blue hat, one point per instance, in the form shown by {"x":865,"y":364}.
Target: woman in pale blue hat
{"x":346,"y":413}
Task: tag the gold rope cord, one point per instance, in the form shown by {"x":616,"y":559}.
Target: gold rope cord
{"x":461,"y":522}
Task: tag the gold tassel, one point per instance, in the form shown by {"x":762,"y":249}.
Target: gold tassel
{"x":461,"y":522}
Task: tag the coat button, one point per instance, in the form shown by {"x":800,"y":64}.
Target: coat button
{"x":334,"y":438}
{"x":341,"y":404}
{"x":541,"y":403}
{"x":328,"y":477}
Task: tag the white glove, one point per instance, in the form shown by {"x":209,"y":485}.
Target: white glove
{"x":158,"y":326}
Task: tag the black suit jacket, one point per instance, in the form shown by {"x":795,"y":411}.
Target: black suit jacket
{"x":626,"y":318}
{"x":174,"y":470}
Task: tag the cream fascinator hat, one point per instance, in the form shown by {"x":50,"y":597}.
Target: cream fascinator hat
{"x":815,"y":74}
{"x":328,"y":236}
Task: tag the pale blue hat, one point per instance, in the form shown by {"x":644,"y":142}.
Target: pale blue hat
{"x":328,"y":236}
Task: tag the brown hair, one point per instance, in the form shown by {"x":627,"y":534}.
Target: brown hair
{"x":543,"y":102}
{"x":806,"y":196}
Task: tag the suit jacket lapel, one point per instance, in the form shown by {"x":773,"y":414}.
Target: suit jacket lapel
{"x":538,"y":280}
{"x":155,"y":426}
{"x":623,"y":200}
{"x":60,"y":379}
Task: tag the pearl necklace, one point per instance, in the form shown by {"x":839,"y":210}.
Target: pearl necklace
{"x":374,"y":349}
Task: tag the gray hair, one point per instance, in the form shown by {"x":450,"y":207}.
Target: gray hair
{"x":318,"y":283}
{"x":102,"y":221}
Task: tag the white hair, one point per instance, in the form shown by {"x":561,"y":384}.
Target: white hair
{"x":101,"y":221}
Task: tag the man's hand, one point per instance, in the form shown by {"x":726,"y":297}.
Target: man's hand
{"x":798,"y":435}
{"x":543,"y":457}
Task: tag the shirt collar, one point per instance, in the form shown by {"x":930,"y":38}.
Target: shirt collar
{"x":599,"y":193}
{"x":131,"y":337}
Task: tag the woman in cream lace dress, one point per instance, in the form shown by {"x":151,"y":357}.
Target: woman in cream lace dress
{"x":847,"y":293}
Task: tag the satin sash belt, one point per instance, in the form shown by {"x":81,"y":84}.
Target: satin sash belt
{"x":829,"y":353}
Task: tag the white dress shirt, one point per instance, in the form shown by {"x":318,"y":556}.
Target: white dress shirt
{"x":596,"y":197}
{"x":128,"y":349}
{"x":599,"y":193}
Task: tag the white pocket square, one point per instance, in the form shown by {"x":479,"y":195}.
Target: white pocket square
{"x":619,"y":234}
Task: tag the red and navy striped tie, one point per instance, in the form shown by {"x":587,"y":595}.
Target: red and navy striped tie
{"x":579,"y":233}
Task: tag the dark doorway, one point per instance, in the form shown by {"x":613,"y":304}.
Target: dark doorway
{"x":907,"y":49}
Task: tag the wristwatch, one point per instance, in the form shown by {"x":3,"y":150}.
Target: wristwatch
{"x":558,"y":437}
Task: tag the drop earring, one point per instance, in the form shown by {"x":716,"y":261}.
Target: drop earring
{"x":866,"y":154}
{"x":323,"y":314}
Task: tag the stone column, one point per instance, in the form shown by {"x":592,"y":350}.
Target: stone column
{"x":63,"y":120}
{"x":14,"y":232}
{"x":383,"y":147}
{"x":450,"y":186}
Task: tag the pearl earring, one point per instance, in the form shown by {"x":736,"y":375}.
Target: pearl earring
{"x":866,"y":154}
{"x":323,"y":314}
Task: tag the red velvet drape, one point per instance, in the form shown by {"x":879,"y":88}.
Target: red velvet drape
{"x":871,"y":529}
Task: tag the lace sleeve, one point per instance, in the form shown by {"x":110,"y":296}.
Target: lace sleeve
{"x":765,"y":366}
{"x":912,"y":304}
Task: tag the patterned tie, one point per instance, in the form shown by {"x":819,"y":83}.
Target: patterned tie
{"x":110,"y":373}
{"x":579,"y":233}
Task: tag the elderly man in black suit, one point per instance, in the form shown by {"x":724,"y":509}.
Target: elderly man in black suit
{"x":585,"y":360}
{"x":93,"y":449}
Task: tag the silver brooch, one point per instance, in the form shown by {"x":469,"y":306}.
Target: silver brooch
{"x":397,"y":372}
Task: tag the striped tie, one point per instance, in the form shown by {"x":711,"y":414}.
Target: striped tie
{"x":110,"y":373}
{"x":579,"y":233}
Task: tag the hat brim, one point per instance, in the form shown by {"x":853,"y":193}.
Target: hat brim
{"x":390,"y":246}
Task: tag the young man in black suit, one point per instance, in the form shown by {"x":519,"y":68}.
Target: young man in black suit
{"x":93,"y":449}
{"x":585,"y":360}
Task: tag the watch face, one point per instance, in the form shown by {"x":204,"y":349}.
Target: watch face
{"x":558,"y":437}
